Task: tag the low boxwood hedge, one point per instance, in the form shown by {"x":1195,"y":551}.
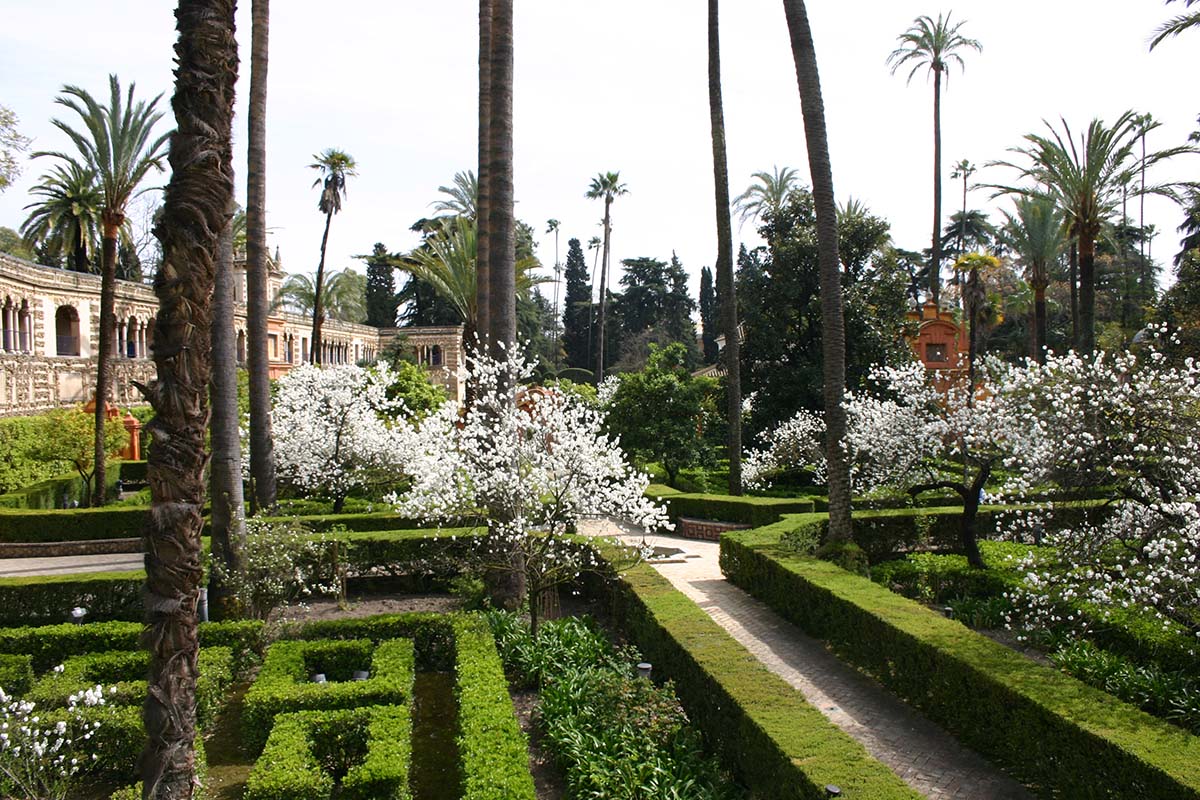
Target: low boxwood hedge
{"x":372,"y":745}
{"x":74,"y":524}
{"x":778,"y":745}
{"x":753,"y":511}
{"x":493,"y":751}
{"x":51,"y":491}
{"x":48,"y":599}
{"x":51,"y":645}
{"x":284,"y":684}
{"x":16,"y":673}
{"x":1057,"y":734}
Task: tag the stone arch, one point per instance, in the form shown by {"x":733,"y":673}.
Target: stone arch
{"x":66,"y":330}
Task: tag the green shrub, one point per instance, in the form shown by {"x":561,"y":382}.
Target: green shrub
{"x":49,"y":599}
{"x":367,"y":751}
{"x":432,"y":634}
{"x":751,"y":511}
{"x":18,"y":437}
{"x":109,"y":522}
{"x":847,"y":555}
{"x":284,"y":685}
{"x":779,"y":746}
{"x":116,"y":671}
{"x":1051,"y":730}
{"x":16,"y":674}
{"x":50,"y":645}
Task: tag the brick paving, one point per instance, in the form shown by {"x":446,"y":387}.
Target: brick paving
{"x":924,"y":756}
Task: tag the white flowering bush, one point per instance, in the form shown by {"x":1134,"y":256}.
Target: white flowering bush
{"x":797,"y":442}
{"x":532,"y":462}
{"x":39,"y":759}
{"x":1126,"y":426}
{"x":281,"y":562}
{"x":337,"y":431}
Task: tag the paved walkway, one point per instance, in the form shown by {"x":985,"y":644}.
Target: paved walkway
{"x":66,"y":565}
{"x":922,"y":754}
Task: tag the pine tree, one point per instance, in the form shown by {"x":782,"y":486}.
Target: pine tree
{"x":576,"y":308}
{"x":382,"y":301}
{"x":708,"y":315}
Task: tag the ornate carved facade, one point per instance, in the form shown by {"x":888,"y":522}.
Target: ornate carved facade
{"x":49,"y":320}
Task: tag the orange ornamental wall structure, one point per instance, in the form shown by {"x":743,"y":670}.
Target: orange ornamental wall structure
{"x":940,"y":342}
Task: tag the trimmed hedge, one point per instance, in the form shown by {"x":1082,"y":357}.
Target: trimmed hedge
{"x":778,"y":745}
{"x":374,"y":743}
{"x":47,"y":599}
{"x":283,"y":683}
{"x":753,"y":511}
{"x":50,"y":645}
{"x":49,"y":493}
{"x":16,"y":673}
{"x":493,"y":752}
{"x":1056,"y":733}
{"x":125,"y":671}
{"x":74,"y":524}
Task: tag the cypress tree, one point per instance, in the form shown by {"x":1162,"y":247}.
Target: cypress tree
{"x":708,"y":315}
{"x":576,"y":308}
{"x":382,"y":301}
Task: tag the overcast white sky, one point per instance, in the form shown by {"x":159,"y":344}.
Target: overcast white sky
{"x":619,"y":85}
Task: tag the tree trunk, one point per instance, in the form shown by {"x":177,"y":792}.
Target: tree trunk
{"x":483,"y":203}
{"x":972,"y":300}
{"x":1087,"y":294}
{"x":833,"y":330}
{"x":599,"y":377}
{"x":935,"y":260}
{"x":502,"y":244}
{"x":1073,"y":279}
{"x":195,"y":211}
{"x":105,"y":345}
{"x":726,"y":289}
{"x":1039,"y":323}
{"x":225,"y":474}
{"x":968,"y":536}
{"x":262,"y":447}
{"x":318,"y":296}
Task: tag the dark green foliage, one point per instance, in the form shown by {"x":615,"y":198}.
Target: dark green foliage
{"x":614,"y":735}
{"x":382,"y":300}
{"x":655,"y":308}
{"x":50,"y":645}
{"x":284,"y":685}
{"x":753,"y":511}
{"x":49,"y":598}
{"x":779,"y":305}
{"x":535,"y":328}
{"x":779,"y":746}
{"x":847,"y":555}
{"x":577,"y":304}
{"x":708,"y":316}
{"x":656,"y":412}
{"x":116,"y":522}
{"x":1061,"y":736}
{"x":16,"y":673}
{"x":18,"y":436}
{"x":53,"y":492}
{"x":366,"y":751}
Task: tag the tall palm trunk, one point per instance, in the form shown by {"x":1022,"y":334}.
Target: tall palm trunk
{"x":502,"y":243}
{"x":225,"y":474}
{"x":603,"y":293}
{"x":262,"y":447}
{"x":195,"y":211}
{"x":483,"y":202}
{"x":1073,"y":279}
{"x":319,"y":295}
{"x":1087,"y":292}
{"x":726,"y":290}
{"x":1039,"y":318}
{"x":105,"y":344}
{"x":935,"y":260}
{"x":591,"y":311}
{"x":833,"y":329}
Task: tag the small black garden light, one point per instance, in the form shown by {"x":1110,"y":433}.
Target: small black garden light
{"x":361,"y":674}
{"x":319,"y":678}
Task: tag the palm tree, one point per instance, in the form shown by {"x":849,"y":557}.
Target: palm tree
{"x":297,"y":294}
{"x":118,"y":148}
{"x":1176,"y":25}
{"x":194,"y":215}
{"x":1086,"y":178}
{"x":934,"y":45}
{"x":343,"y":297}
{"x":971,"y":230}
{"x":335,"y":167}
{"x":833,"y":329}
{"x":606,"y":185}
{"x":500,"y":225}
{"x":462,"y":198}
{"x":767,"y":195}
{"x":484,"y":194}
{"x":66,"y":220}
{"x":726,"y":290}
{"x":1037,"y":235}
{"x":963,"y":169}
{"x":552,"y":226}
{"x":262,"y":447}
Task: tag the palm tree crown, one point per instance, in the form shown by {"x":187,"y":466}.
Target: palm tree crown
{"x":606,"y":185}
{"x":767,"y":195}
{"x":462,"y":198}
{"x":1177,"y":24}
{"x":933,"y":44}
{"x":335,"y":166}
{"x":66,"y":218}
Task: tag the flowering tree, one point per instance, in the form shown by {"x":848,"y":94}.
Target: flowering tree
{"x":911,"y":436}
{"x":532,"y":463}
{"x":39,"y":758}
{"x":337,"y":430}
{"x":1126,"y":425}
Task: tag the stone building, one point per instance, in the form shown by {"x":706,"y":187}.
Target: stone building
{"x":940,"y":342}
{"x":50,"y":326}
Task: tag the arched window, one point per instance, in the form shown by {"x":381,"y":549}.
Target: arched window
{"x":435,"y":356}
{"x":241,"y":347}
{"x":7,"y":312}
{"x":25,"y":328}
{"x":66,"y":330}
{"x":131,"y":338}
